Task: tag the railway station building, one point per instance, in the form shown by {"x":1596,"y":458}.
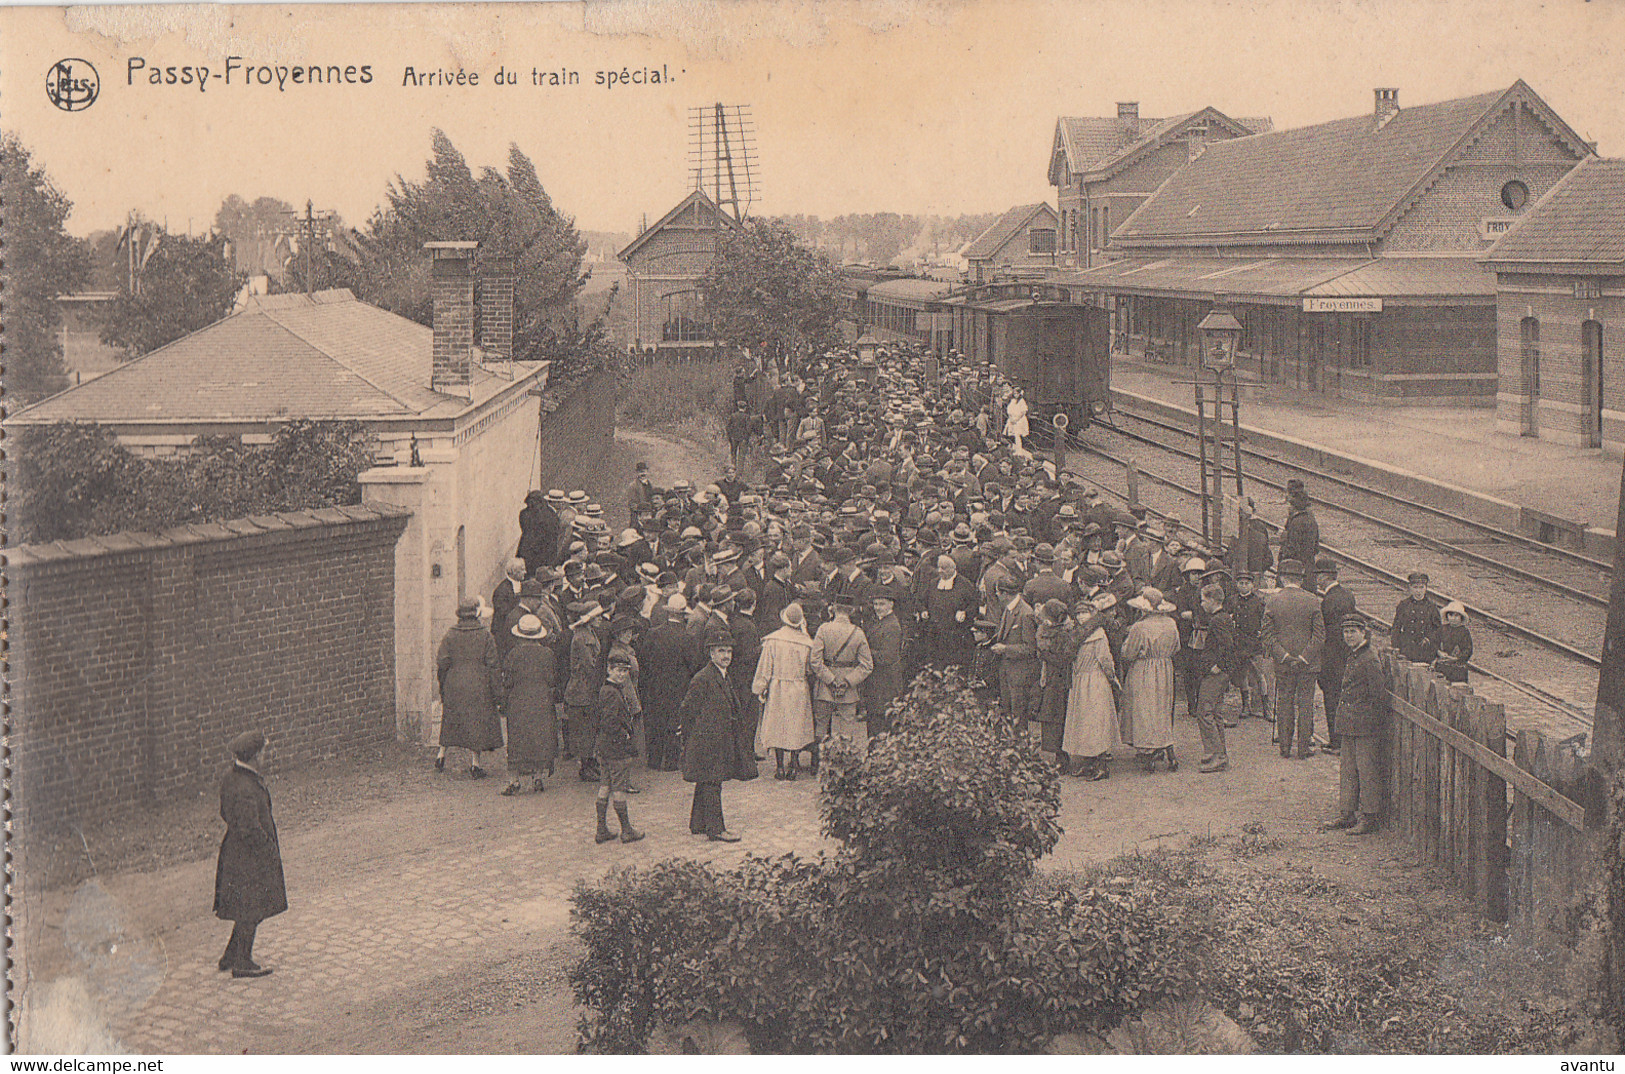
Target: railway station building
{"x":663,"y":308}
{"x":1560,"y":312}
{"x":1104,"y":167}
{"x":1349,"y":250}
{"x":1021,"y":242}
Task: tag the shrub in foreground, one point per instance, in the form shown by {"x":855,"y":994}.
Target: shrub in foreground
{"x":925,"y":932}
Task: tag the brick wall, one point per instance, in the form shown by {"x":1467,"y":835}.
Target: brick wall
{"x":1448,"y":216}
{"x":136,"y":657}
{"x":1564,"y":410}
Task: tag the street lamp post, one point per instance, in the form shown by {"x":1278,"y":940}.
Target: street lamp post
{"x":1221,"y":333}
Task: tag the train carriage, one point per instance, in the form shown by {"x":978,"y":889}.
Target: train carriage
{"x":1058,"y":352}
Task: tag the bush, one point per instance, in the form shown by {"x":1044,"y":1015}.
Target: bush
{"x":74,"y":480}
{"x":925,"y":932}
{"x":667,"y":395}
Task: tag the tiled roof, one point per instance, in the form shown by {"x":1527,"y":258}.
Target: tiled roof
{"x":1004,"y":229}
{"x":1094,"y":143}
{"x":1581,"y":219}
{"x":1091,"y":140}
{"x":322,"y":356}
{"x":1336,"y":181}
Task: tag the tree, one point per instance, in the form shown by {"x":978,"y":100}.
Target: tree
{"x":182,"y":284}
{"x":509,"y":214}
{"x":41,"y":262}
{"x":766,"y":290}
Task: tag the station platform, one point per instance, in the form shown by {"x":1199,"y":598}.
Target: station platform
{"x":1454,"y":456}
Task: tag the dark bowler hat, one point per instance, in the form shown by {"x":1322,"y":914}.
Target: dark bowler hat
{"x":717,"y":638}
{"x":1417,"y":578}
{"x":1325,"y":566}
{"x":468,"y":609}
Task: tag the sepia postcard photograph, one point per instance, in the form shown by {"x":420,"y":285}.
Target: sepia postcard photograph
{"x":795,"y":527}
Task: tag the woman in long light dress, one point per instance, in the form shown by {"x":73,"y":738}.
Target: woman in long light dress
{"x":1015,"y":418}
{"x":789,"y":657}
{"x":1091,"y":708}
{"x":1148,"y":680}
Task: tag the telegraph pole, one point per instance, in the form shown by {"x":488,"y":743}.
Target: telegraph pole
{"x":306,"y":227}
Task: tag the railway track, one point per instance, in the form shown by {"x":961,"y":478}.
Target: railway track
{"x":1572,"y":574}
{"x":1518,"y":601}
{"x":1547,"y":688}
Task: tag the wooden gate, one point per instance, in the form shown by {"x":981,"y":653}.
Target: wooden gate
{"x":1519,"y":858}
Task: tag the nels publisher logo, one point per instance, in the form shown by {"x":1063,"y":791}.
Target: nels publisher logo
{"x":72,"y":85}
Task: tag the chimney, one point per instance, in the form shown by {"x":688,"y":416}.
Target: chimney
{"x":1128,"y":110}
{"x":496,"y":307}
{"x":1195,"y":142}
{"x":451,"y":271}
{"x":1387,"y":105}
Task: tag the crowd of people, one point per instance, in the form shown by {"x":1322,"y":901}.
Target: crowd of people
{"x":900,"y":520}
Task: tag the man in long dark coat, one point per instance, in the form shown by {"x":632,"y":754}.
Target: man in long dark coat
{"x":248,"y":885}
{"x":716,"y":743}
{"x":667,"y":660}
{"x":538,"y":531}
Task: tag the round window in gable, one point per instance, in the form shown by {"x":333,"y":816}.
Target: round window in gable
{"x":1515,"y":195}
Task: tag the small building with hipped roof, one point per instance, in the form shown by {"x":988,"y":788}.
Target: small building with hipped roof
{"x":457,"y":425}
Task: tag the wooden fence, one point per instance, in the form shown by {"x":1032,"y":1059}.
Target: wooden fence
{"x":1508,"y":829}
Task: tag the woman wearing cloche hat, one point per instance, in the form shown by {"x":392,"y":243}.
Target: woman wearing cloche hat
{"x":1148,"y":680}
{"x":469,"y":676}
{"x":527,"y":677}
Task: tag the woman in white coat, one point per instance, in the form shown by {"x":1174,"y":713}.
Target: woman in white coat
{"x":1015,"y":418}
{"x":789,"y":657}
{"x":1091,"y":706}
{"x":1148,"y":680}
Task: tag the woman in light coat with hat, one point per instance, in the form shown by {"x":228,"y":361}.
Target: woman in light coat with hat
{"x":789,"y":658}
{"x":1148,"y":680}
{"x":528,"y":675}
{"x":1091,"y":705}
{"x":470,"y":680}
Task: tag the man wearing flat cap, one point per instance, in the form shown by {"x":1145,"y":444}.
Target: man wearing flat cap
{"x":248,"y":885}
{"x":1417,"y":623}
{"x":1362,"y":720}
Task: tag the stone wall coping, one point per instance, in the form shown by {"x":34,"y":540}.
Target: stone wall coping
{"x":200,"y":533}
{"x":394,"y":475}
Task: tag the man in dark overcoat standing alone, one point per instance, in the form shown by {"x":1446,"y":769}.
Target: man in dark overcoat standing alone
{"x":717,"y":739}
{"x":248,"y":886}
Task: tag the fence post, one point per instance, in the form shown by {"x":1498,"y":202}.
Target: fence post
{"x":1132,"y":476}
{"x":1492,"y":887}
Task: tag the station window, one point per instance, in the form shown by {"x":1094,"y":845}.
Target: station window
{"x":1041,"y":240}
{"x":1515,"y":195}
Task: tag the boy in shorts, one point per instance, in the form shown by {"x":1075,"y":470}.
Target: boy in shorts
{"x":616,"y":746}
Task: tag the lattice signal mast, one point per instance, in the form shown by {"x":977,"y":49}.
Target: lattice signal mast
{"x":722,"y":155}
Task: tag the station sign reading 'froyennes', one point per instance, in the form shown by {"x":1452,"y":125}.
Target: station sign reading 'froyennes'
{"x":1342,"y":305}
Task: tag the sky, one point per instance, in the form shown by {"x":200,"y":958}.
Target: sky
{"x":872,"y":105}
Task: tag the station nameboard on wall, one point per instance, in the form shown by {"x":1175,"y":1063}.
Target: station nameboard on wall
{"x":1342,"y":305}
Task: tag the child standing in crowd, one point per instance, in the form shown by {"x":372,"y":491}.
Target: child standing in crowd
{"x":1455,"y":643}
